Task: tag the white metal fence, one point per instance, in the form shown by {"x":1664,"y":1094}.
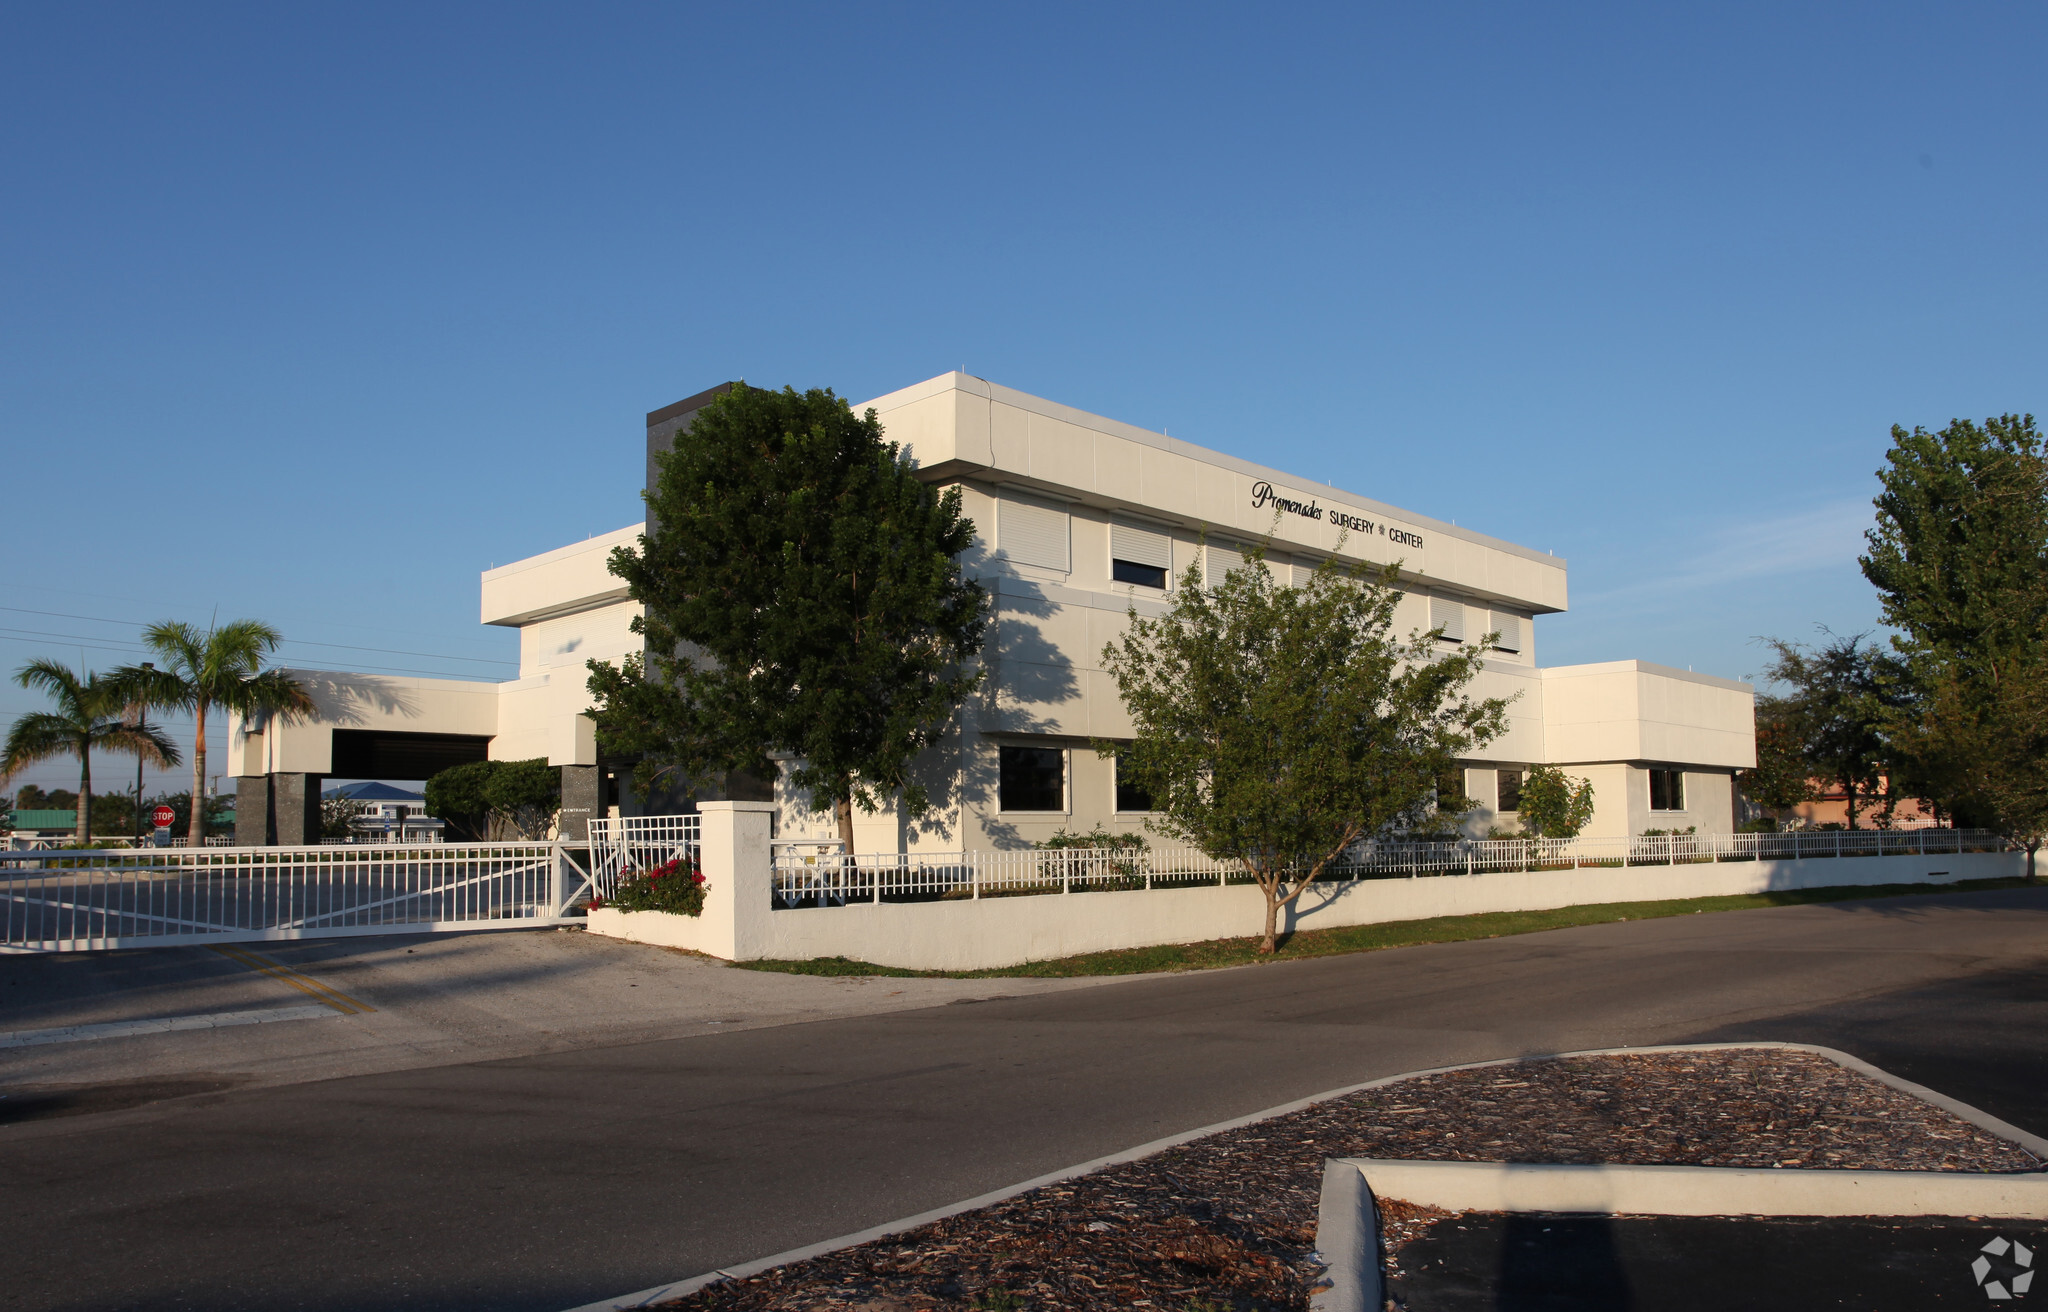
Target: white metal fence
{"x":28,"y":843}
{"x":86,"y":899}
{"x":621,"y":846}
{"x":823,"y":876}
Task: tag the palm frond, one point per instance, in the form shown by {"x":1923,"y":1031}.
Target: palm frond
{"x":158,"y":690}
{"x":35,"y":737}
{"x":278,"y":694}
{"x":60,"y":681}
{"x":146,"y":741}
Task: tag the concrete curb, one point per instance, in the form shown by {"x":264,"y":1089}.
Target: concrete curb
{"x":121,"y":1029}
{"x":1695,"y":1190}
{"x":1343,"y":1276}
{"x":1347,"y":1225}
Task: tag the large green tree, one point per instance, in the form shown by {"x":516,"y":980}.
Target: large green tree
{"x":218,"y":667}
{"x":1830,"y":715}
{"x":1959,"y":556}
{"x":91,"y":713}
{"x":803,"y":595}
{"x":1277,"y":726}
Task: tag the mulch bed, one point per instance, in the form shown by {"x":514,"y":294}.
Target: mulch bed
{"x":1228,"y":1222}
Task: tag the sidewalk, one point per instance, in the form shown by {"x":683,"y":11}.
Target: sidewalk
{"x":423,"y":1000}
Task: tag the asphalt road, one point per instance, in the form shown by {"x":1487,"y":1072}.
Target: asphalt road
{"x":548,"y":1181}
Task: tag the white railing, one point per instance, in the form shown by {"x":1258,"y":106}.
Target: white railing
{"x":810,"y":874}
{"x":105,"y":842}
{"x":621,"y":846}
{"x":73,"y":900}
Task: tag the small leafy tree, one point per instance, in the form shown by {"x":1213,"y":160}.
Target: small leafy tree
{"x":1277,"y":726}
{"x":1781,"y":778}
{"x":456,"y":795}
{"x":1959,"y":556}
{"x":89,"y":714}
{"x":803,"y":594}
{"x":1554,"y":804}
{"x":338,"y":815}
{"x":484,"y":800}
{"x":222,"y":667}
{"x":524,"y":797}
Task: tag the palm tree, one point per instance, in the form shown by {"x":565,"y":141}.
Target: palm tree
{"x":221,"y":667}
{"x":88,"y":715}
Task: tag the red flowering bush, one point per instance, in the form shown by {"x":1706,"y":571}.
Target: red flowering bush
{"x":676,"y":887}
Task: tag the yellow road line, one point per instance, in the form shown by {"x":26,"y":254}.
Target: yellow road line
{"x":306,"y":984}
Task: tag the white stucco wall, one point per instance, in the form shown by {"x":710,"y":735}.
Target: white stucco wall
{"x":992,"y":932}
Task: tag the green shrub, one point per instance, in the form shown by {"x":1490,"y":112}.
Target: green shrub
{"x":1125,"y":869}
{"x":1554,"y":804}
{"x":676,"y":887}
{"x":1098,"y":837}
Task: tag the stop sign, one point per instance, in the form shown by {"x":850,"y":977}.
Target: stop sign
{"x":163,"y":816}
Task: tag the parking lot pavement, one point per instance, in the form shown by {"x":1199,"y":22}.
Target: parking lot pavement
{"x":399,"y":1002}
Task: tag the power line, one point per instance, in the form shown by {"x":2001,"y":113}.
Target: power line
{"x":94,"y":643}
{"x":301,"y":642}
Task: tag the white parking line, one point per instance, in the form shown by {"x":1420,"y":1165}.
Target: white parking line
{"x":120,"y":1029}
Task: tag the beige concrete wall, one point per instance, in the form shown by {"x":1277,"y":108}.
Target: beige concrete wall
{"x":960,"y":425}
{"x":1636,"y":711}
{"x":361,"y":701}
{"x":555,"y":582}
{"x":542,"y":711}
{"x":1709,"y":803}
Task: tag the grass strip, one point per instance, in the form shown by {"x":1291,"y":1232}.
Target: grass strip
{"x":1217,"y":953}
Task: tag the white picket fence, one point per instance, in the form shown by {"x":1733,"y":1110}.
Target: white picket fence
{"x":810,"y":874}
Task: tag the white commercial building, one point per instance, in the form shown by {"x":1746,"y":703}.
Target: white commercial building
{"x":1078,"y":520}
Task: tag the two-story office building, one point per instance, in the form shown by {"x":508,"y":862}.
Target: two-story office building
{"x":1079,"y":519}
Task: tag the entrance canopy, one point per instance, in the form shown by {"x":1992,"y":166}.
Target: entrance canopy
{"x":393,"y":754}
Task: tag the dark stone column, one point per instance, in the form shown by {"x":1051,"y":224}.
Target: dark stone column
{"x":582,"y":786}
{"x":252,"y":812}
{"x":295,"y":804}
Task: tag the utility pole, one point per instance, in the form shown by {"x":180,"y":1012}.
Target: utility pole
{"x":141,"y":722}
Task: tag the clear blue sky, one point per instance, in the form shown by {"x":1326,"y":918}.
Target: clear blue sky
{"x":309,"y":313}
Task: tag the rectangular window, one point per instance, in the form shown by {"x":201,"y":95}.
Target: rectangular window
{"x":1129,"y":796}
{"x":1032,"y":534}
{"x":1449,"y":615}
{"x":1139,"y":555}
{"x":1031,"y":779}
{"x":1510,"y":784}
{"x":1145,"y":576}
{"x":1221,"y":561}
{"x":1667,"y":790}
{"x":1509,"y":627}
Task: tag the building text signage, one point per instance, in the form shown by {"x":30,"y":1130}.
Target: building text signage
{"x":1263,"y":495}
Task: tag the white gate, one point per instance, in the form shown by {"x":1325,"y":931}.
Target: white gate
{"x":69,"y":901}
{"x":640,"y":842}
